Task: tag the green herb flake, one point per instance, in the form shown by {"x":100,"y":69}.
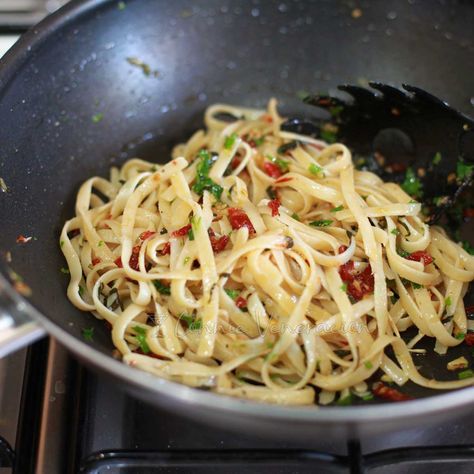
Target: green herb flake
{"x":367,"y":397}
{"x":140,"y":335}
{"x":64,"y":270}
{"x":336,"y":110}
{"x":328,"y":136}
{"x":259,"y":141}
{"x":344,"y":287}
{"x":162,"y":288}
{"x":96,"y":118}
{"x":337,"y":209}
{"x":230,"y":141}
{"x":186,"y":260}
{"x":191,"y":321}
{"x":203,"y":182}
{"x":322,"y":223}
{"x":463,"y":170}
{"x":101,"y":243}
{"x":465,"y":374}
{"x":346,"y":401}
{"x":88,"y":334}
{"x":282,"y":164}
{"x":191,"y":234}
{"x":395,"y":231}
{"x":316,"y":170}
{"x":468,"y":247}
{"x":154,"y":169}
{"x":61,"y":244}
{"x":80,"y":290}
{"x":368,"y":365}
{"x":270,"y":345}
{"x":403,"y":253}
{"x":436,"y":159}
{"x":460,"y":336}
{"x":416,"y":286}
{"x":121,"y":6}
{"x":302,"y":94}
{"x":448,"y":301}
{"x":232,"y":293}
{"x":295,"y":216}
{"x":411,"y":184}
{"x":142,"y":65}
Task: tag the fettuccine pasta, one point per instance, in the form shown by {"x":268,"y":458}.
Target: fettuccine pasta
{"x":259,"y":263}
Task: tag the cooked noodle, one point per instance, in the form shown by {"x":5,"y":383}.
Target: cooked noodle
{"x":275,"y":275}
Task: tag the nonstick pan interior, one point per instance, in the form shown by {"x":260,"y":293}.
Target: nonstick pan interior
{"x":74,"y":104}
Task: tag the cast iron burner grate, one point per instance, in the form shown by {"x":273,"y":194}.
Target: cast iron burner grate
{"x":354,"y":462}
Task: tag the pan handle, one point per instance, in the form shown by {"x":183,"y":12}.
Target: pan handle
{"x":16,"y":328}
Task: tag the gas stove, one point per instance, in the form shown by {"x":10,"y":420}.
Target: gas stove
{"x":56,"y":416}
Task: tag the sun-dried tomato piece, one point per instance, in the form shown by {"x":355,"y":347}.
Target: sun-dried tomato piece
{"x":274,"y":206}
{"x":145,"y":235}
{"x":421,"y":256}
{"x":238,"y":218}
{"x":272,"y":169}
{"x":181,"y":232}
{"x":388,"y":393}
{"x":240,"y":302}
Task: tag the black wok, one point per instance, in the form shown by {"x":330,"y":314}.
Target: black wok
{"x":71,"y":105}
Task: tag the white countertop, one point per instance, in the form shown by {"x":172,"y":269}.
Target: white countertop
{"x":6,"y":42}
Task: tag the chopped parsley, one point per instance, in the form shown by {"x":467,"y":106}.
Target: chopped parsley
{"x":328,"y":135}
{"x":368,"y":365}
{"x":101,"y":242}
{"x":468,"y":247}
{"x":191,"y":321}
{"x":295,"y":216}
{"x":64,"y":270}
{"x":347,"y":400}
{"x":463,"y":170}
{"x":403,"y":253}
{"x":411,"y":184}
{"x":186,"y":260}
{"x":230,"y":141}
{"x":287,"y":147}
{"x":460,"y":336}
{"x":259,"y":141}
{"x":465,"y":374}
{"x":395,"y":231}
{"x":191,"y":234}
{"x":448,"y":301}
{"x":61,"y":243}
{"x":344,"y":287}
{"x":203,"y":182}
{"x":337,"y":209}
{"x":88,"y":334}
{"x":368,"y":396}
{"x":140,"y":334}
{"x":162,"y":288}
{"x":336,"y":110}
{"x":416,"y":286}
{"x":437,"y":158}
{"x":232,"y":293}
{"x":96,"y":118}
{"x":80,"y":290}
{"x":315,"y":169}
{"x":282,"y":164}
{"x":322,"y":223}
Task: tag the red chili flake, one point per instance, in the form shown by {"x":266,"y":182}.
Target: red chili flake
{"x":218,"y":244}
{"x":21,"y":239}
{"x":274,"y":205}
{"x":97,"y":260}
{"x":358,"y":284}
{"x":118,"y":262}
{"x":469,"y":338}
{"x":388,"y":393}
{"x":145,"y":235}
{"x":181,"y":232}
{"x":272,"y":169}
{"x":234,"y":164}
{"x":133,"y":262}
{"x":238,"y":218}
{"x":166,"y":250}
{"x":421,"y":256}
{"x":468,"y":212}
{"x":342,"y":249}
{"x":283,"y":180}
{"x":398,"y":167}
{"x":240,"y":302}
{"x":347,"y":272}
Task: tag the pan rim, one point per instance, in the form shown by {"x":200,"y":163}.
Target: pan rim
{"x":11,"y":63}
